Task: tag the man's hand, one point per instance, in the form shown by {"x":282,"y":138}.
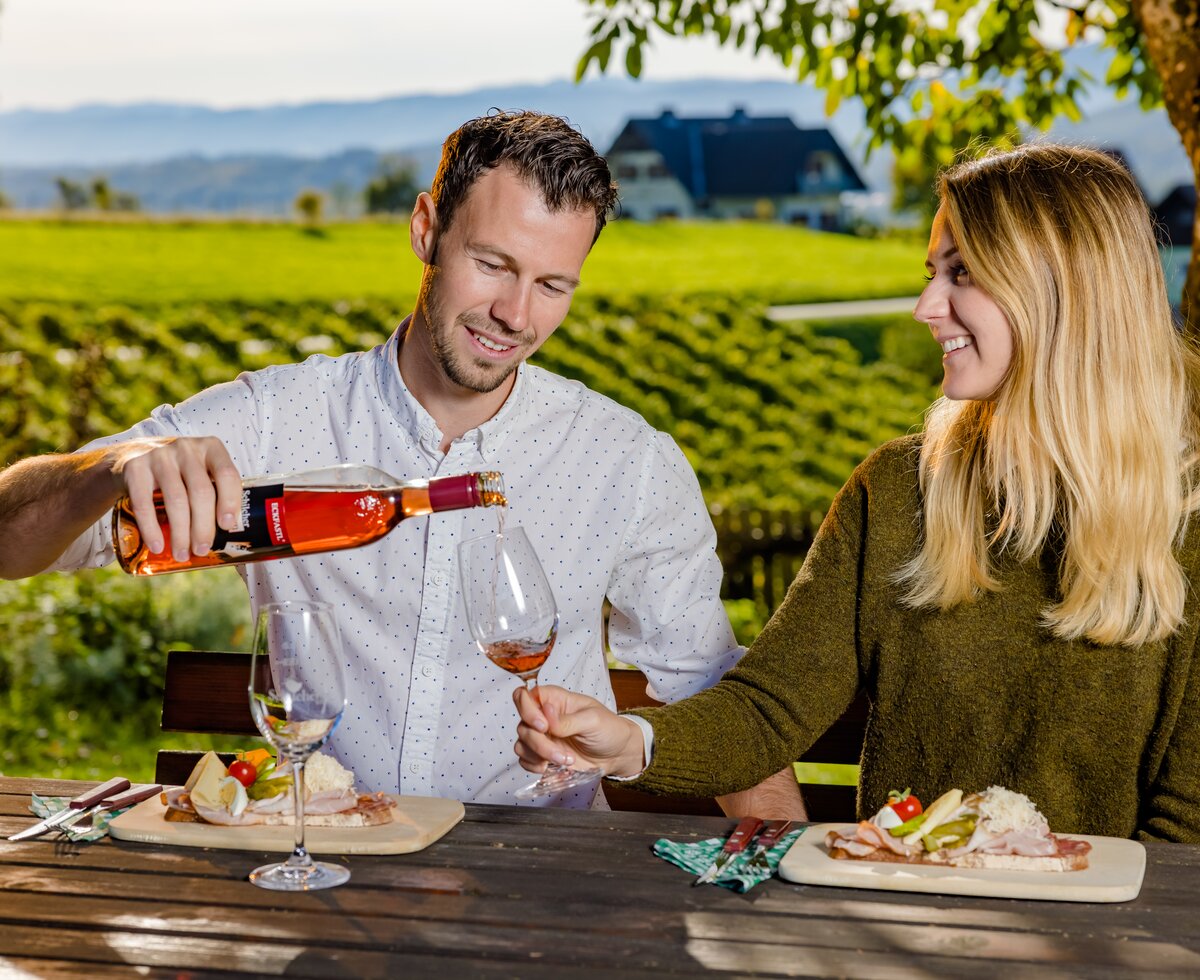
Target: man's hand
{"x":200,"y":486}
{"x":571,"y":729}
{"x":46,"y":502}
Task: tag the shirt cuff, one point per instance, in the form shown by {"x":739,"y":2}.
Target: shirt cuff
{"x":647,"y":748}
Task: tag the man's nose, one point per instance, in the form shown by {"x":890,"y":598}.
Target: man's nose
{"x":511,"y":307}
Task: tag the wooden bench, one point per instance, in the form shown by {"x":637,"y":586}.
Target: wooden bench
{"x":205,"y":693}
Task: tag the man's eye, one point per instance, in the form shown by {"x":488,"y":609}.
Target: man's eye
{"x":488,"y":266}
{"x":552,"y":289}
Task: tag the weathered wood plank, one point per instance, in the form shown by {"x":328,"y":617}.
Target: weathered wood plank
{"x":133,"y":950}
{"x":529,"y":892}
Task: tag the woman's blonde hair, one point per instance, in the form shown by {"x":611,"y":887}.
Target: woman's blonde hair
{"x":1088,"y":447}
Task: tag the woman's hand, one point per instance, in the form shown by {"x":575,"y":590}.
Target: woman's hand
{"x":572,"y":729}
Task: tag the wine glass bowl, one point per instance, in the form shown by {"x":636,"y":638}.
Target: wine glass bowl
{"x":512,"y":616}
{"x":297,"y":696}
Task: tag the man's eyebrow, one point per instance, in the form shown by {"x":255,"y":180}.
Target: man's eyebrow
{"x":507,"y":259}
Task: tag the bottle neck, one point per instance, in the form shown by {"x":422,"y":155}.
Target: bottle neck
{"x":455,"y":492}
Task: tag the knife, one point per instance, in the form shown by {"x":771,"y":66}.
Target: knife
{"x":131,"y":796}
{"x":118,"y":784}
{"x":738,"y":841}
{"x":769,"y":837}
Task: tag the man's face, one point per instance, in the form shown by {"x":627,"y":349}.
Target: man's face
{"x":505,"y":272}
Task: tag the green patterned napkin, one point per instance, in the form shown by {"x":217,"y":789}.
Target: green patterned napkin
{"x":737,"y":874}
{"x":47,"y":806}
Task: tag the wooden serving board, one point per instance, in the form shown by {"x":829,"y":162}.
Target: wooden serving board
{"x":1114,"y":873}
{"x":417,"y":821}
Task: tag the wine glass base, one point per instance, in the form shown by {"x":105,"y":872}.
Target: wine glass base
{"x":557,"y":779}
{"x":284,"y":877}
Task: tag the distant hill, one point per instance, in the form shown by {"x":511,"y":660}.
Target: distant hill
{"x":139,"y":133}
{"x":180,"y":158}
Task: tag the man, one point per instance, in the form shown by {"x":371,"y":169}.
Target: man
{"x":611,"y":505}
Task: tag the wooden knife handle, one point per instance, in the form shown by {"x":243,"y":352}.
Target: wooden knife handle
{"x":117,"y":784}
{"x":132,"y":796}
{"x":772,"y":832}
{"x":740,"y":839}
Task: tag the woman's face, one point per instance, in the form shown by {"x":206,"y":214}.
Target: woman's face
{"x":972,"y":330}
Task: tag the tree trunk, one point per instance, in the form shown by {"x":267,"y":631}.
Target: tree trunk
{"x":1172,"y":32}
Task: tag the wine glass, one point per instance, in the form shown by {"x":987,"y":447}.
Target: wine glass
{"x":511,"y":613}
{"x":297,"y":697}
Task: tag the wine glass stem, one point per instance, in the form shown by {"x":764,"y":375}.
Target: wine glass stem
{"x":551,"y":767}
{"x":299,"y":859}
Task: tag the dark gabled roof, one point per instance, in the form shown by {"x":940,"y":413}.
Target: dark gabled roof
{"x":1181,"y":196}
{"x":735,"y":156}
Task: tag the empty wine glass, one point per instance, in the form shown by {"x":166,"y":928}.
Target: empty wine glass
{"x":297,"y":697}
{"x":511,"y":614}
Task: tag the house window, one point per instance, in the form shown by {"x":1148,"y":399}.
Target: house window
{"x":820,"y":168}
{"x":626,"y":171}
{"x":799,"y":218}
{"x":667,"y":214}
{"x":829,"y":221}
{"x":659,"y":170}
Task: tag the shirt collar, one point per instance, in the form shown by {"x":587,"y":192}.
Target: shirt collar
{"x":419,"y":425}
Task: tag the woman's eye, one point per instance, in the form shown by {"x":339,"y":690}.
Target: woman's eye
{"x":928,"y":278}
{"x":960,"y":276}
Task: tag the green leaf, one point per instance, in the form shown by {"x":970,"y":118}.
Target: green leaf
{"x":599,"y":53}
{"x":633,"y":60}
{"x":1120,"y":67}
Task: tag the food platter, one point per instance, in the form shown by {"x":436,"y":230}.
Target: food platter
{"x":417,"y":822}
{"x":1114,"y":873}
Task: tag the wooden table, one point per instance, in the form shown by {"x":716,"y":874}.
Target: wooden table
{"x":515,"y":892}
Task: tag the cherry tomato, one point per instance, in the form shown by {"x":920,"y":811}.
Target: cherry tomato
{"x":243,"y":772}
{"x":905,"y":804}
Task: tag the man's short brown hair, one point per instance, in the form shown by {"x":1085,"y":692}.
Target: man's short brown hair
{"x":544,"y":150}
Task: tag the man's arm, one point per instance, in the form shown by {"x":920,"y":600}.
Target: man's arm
{"x":46,"y":502}
{"x":775,"y":798}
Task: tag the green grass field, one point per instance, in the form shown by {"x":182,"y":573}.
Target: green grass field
{"x":147,"y":263}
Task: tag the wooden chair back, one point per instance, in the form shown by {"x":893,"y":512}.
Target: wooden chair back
{"x":205,"y":693}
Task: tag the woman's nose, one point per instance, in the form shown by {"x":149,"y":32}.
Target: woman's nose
{"x":931,"y":304}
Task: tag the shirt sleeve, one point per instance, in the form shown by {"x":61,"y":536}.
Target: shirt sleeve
{"x":667,"y":616}
{"x":794,"y":682}
{"x":1172,"y":809}
{"x":228,"y":411}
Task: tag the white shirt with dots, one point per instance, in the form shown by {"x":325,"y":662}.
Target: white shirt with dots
{"x":611,"y":506}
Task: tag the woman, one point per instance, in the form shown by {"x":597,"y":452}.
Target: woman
{"x":1014,"y":586}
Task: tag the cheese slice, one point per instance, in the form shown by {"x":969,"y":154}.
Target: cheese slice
{"x":204,"y":784}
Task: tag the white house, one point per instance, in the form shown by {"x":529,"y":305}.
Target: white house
{"x":734,"y":167}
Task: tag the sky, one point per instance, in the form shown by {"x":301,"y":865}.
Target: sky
{"x":60,"y":53}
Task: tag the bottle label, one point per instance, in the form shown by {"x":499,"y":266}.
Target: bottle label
{"x":262,"y":523}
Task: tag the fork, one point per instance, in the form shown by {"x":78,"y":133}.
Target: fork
{"x":86,"y":818}
{"x":769,"y":837}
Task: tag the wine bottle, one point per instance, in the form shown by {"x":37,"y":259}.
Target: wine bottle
{"x":301,"y":513}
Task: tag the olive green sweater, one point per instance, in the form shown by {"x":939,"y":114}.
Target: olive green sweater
{"x":1105,"y":740}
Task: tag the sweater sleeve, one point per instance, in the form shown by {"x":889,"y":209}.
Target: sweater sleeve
{"x":1171,"y":809}
{"x":794,"y":682}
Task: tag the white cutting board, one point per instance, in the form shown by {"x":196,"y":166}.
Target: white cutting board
{"x":417,"y":821}
{"x":1114,"y":873}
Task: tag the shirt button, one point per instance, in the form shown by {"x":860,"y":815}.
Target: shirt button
{"x":428,"y":670}
{"x":439,"y":578}
{"x":414,"y":767}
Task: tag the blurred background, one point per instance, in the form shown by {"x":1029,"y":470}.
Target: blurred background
{"x":189,"y":190}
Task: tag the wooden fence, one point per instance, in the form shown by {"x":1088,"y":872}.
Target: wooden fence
{"x":761,"y":552}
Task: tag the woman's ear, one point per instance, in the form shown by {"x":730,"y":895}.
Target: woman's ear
{"x":423,"y":228}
